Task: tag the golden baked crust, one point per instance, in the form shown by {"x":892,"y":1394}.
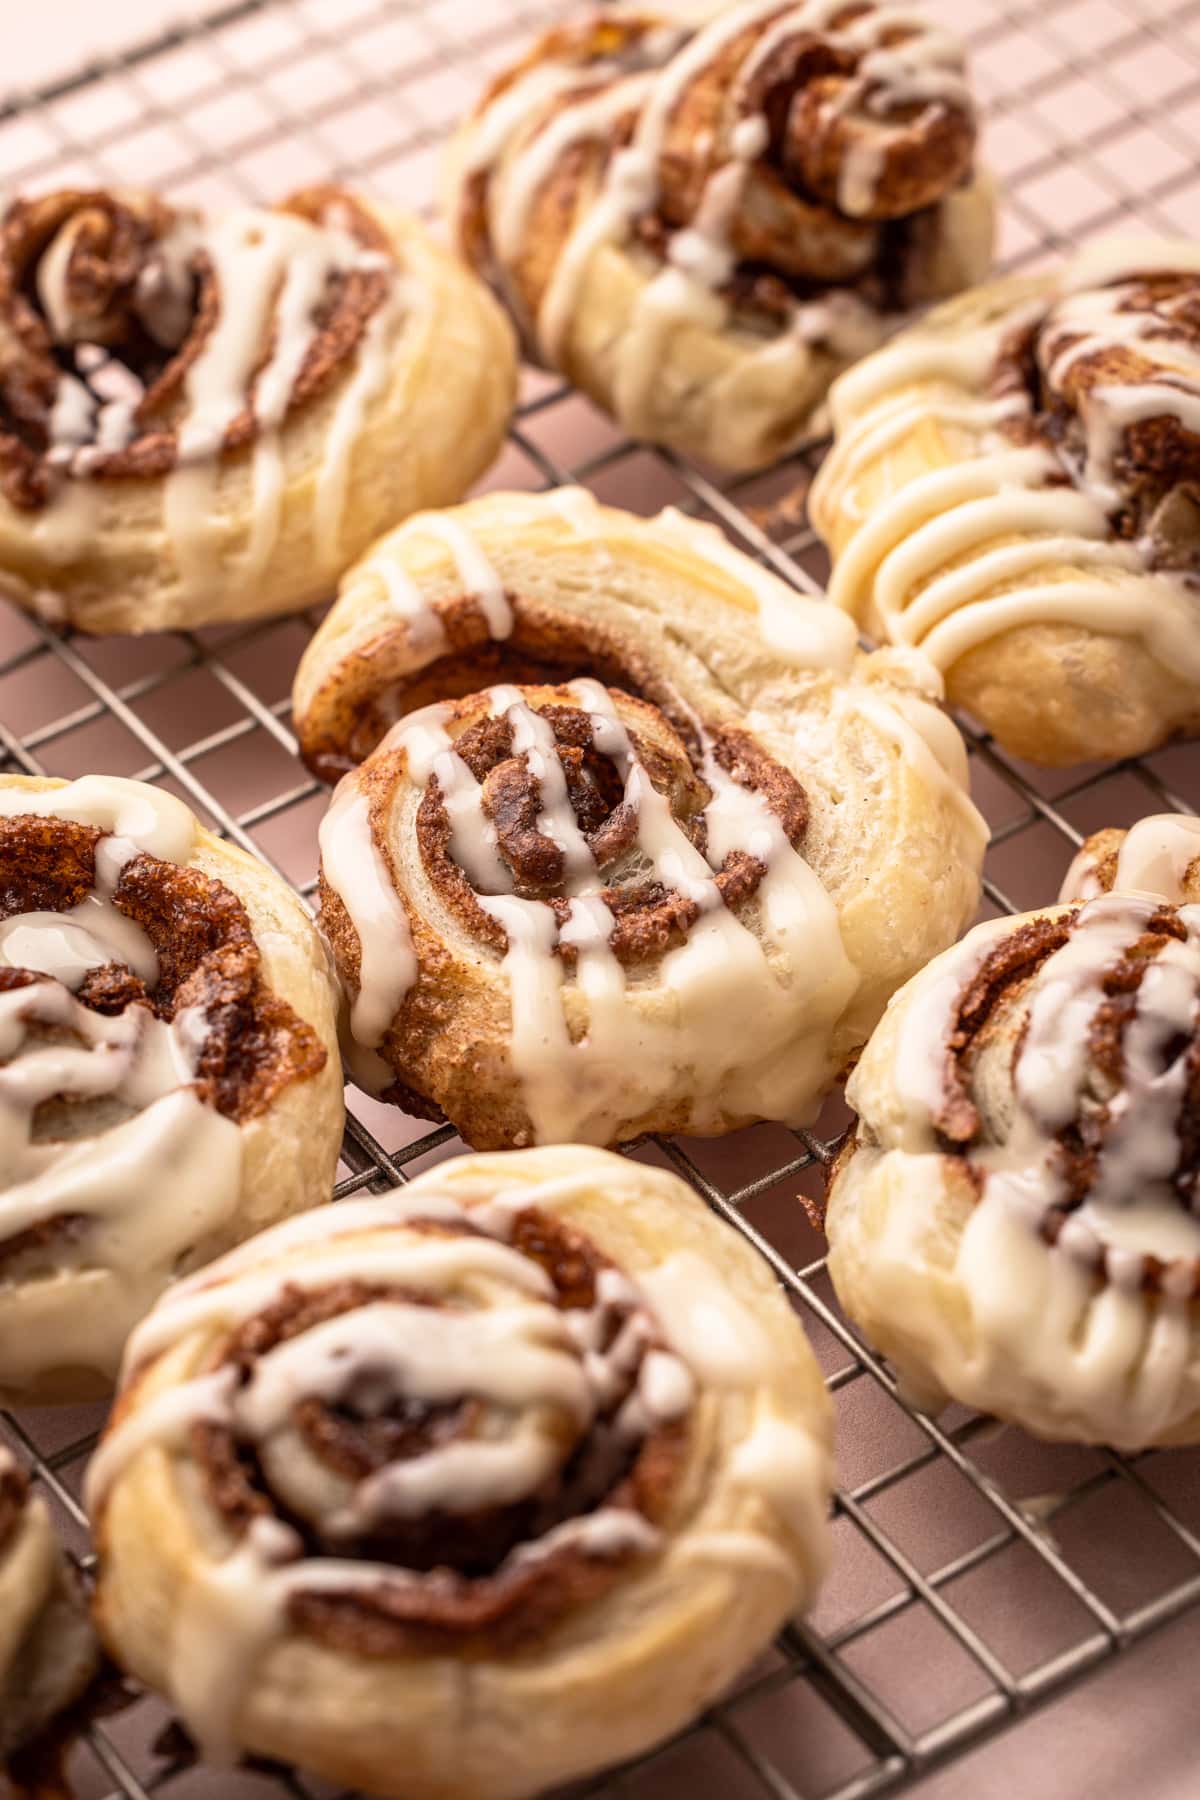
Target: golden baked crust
{"x":518,"y":1564}
{"x":207,"y":418}
{"x":48,"y":1650}
{"x":1014,"y":1222}
{"x":700,"y":225}
{"x":168,"y":1062}
{"x":700,"y":843}
{"x":1013,"y":489}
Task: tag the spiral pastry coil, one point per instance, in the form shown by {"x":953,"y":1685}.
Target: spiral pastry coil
{"x":663,"y":871}
{"x":205,"y":418}
{"x":1016,"y":1221}
{"x":1013,"y":489}
{"x":700,"y":225}
{"x":48,"y":1650}
{"x":169,"y":1080}
{"x":531,"y":1452}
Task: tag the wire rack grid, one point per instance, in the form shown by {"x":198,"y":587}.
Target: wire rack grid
{"x":979,"y":1575}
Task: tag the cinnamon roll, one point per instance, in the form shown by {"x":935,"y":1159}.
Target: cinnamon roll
{"x":1015,"y":1222}
{"x":209,"y":418}
{"x":1160,"y":855}
{"x":48,"y":1650}
{"x":1012,"y":489}
{"x":469,"y":1489}
{"x":169,"y":1079}
{"x":661,"y":864}
{"x":701,"y":224}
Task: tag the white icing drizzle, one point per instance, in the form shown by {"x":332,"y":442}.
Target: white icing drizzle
{"x":1045,"y":1331}
{"x":725,"y":1000}
{"x":142,"y":817}
{"x":1157,"y":854}
{"x":929,"y":743}
{"x":956,"y":556}
{"x":922,"y":1048}
{"x":389,"y":563}
{"x":806,"y":633}
{"x":162,"y":1423}
{"x":127,"y":1120}
{"x":578,"y":507}
{"x":538,"y":1372}
{"x":717,"y":1337}
{"x":385,"y":565}
{"x":52,"y":285}
{"x":864,"y":161}
{"x":585,"y":117}
{"x":1084,"y":323}
{"x":504,"y":115}
{"x":272,"y":271}
{"x":67,"y":944}
{"x":354,"y":867}
{"x":479,"y":579}
{"x":700,"y":260}
{"x":375,"y":361}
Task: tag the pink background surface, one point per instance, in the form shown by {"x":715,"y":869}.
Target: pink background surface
{"x":1094,"y":112}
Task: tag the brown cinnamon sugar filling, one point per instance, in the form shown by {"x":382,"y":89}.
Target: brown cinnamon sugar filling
{"x":791,"y":237}
{"x":254,"y":1044}
{"x":996,"y":993}
{"x":648,"y":917}
{"x":1156,"y":464}
{"x":361,"y":700}
{"x":14,"y":1492}
{"x":467,"y":1588}
{"x":133,"y":333}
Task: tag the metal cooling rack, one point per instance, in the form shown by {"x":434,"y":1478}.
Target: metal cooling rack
{"x":978,"y":1574}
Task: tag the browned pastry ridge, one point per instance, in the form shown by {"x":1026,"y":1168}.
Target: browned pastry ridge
{"x":209,"y":416}
{"x":454,"y":1471}
{"x":767,"y":189}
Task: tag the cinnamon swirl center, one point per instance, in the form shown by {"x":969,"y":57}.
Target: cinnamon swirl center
{"x":547,"y":799}
{"x":483,"y":1489}
{"x":138,"y":337}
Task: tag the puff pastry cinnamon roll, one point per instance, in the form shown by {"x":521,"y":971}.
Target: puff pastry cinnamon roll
{"x":1160,"y":855}
{"x":468,"y":1489}
{"x":1013,"y":488}
{"x":48,"y":1650}
{"x":700,"y":225}
{"x":662,"y":863}
{"x":169,"y":1080}
{"x":1015,"y":1222}
{"x":208,"y":418}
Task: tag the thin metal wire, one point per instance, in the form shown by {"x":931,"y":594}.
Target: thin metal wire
{"x":268,"y":72}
